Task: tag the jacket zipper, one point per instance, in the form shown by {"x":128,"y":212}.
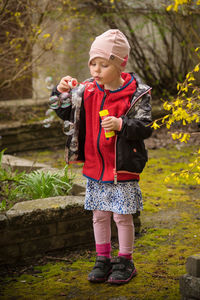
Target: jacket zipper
{"x":98,"y":138}
{"x":115,"y":169}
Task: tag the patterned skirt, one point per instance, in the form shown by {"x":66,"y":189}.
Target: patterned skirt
{"x":120,"y":198}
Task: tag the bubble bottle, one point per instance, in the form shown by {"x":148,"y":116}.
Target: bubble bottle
{"x":103,"y":114}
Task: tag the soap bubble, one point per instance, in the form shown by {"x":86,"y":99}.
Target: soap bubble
{"x":50,"y":117}
{"x":68,"y":128}
{"x":80,"y":90}
{"x":54,"y":102}
{"x":66,"y":99}
{"x":49,"y":82}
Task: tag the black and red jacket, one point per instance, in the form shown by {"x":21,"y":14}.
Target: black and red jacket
{"x":123,"y":156}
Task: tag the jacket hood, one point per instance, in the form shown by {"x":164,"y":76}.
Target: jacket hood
{"x":126,"y":90}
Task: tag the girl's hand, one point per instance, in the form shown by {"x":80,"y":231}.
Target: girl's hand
{"x":63,"y":85}
{"x":111,"y":123}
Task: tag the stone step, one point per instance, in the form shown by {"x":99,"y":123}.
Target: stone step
{"x":190,"y":282}
{"x":20,"y":164}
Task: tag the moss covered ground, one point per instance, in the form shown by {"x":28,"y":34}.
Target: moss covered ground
{"x":169,"y":234}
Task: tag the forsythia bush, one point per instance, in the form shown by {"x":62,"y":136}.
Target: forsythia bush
{"x":176,"y":3}
{"x":185,"y":109}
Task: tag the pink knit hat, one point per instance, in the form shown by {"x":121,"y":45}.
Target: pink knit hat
{"x":113,"y":46}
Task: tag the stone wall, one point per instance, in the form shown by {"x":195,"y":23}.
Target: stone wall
{"x":35,"y":227}
{"x":190,"y":282}
{"x":22,"y":128}
{"x":17,"y":137}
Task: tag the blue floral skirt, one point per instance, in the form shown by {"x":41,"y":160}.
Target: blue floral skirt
{"x":120,"y":198}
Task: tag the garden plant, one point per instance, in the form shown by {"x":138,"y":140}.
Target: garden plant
{"x":17,"y":186}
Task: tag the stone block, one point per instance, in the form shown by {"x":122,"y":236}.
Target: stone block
{"x":3,"y":221}
{"x":20,"y":164}
{"x":41,"y":211}
{"x":193,"y":265}
{"x":71,"y":240}
{"x":17,"y":137}
{"x":77,"y":209}
{"x":36,"y":247}
{"x":79,"y":239}
{"x":58,"y":242}
{"x":74,"y":224}
{"x":78,"y":189}
{"x":9,"y":254}
{"x":25,"y":234}
{"x":19,"y":219}
{"x":189,"y":287}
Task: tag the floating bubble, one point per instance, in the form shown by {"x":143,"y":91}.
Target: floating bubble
{"x":80,"y":89}
{"x":65,"y":95}
{"x":49,"y":82}
{"x":46,"y":123}
{"x":53,"y":99}
{"x":65,"y":99}
{"x":54,"y":102}
{"x":68,"y":128}
{"x":51,"y":115}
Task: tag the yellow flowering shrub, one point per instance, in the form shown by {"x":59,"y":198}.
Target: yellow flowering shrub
{"x":185,"y":109}
{"x":177,"y":3}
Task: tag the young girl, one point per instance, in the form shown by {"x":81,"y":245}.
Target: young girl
{"x":107,"y":122}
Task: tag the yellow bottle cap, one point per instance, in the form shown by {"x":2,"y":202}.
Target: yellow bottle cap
{"x":103,"y":113}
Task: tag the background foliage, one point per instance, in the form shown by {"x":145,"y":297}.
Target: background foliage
{"x":162,"y":41}
{"x":184,"y":109}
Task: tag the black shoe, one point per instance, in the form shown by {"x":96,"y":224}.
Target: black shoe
{"x":123,"y":270}
{"x":101,"y":270}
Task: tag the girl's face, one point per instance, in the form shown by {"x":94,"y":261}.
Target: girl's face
{"x":105,"y":73}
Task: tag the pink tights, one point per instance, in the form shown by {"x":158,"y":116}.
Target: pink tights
{"x":102,"y":233}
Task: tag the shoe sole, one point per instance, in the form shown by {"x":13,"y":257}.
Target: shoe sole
{"x":133,"y":274}
{"x":99,"y":280}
